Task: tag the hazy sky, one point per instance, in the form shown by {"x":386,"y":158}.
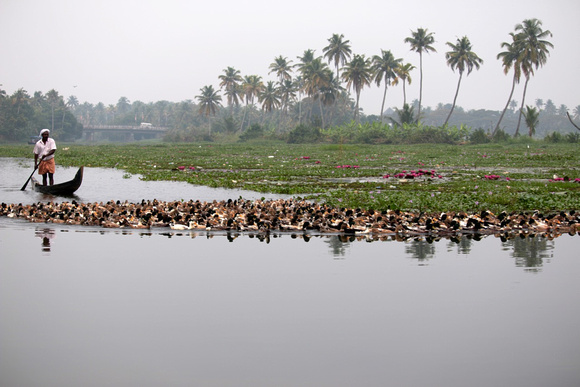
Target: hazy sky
{"x":151,"y":50}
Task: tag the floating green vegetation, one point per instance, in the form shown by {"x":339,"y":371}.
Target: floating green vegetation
{"x":429,"y":177}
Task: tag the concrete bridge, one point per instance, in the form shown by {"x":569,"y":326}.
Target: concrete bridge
{"x":129,"y":133}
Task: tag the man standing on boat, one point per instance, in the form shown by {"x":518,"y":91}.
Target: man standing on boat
{"x":44,"y":150}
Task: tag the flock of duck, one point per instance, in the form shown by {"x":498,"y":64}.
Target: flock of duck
{"x":288,"y":215}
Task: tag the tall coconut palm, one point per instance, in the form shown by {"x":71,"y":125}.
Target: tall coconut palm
{"x":209,"y":100}
{"x":531,"y":117}
{"x":534,"y":52}
{"x":304,"y":60}
{"x":357,"y":74}
{"x":316,"y":75}
{"x":510,"y":58}
{"x":330,"y":93}
{"x":54,"y":99}
{"x":403,"y":72}
{"x":72,"y":102}
{"x":337,"y":51}
{"x":461,"y":57}
{"x":421,"y":41}
{"x":252,"y":87}
{"x":269,"y":97}
{"x":288,"y":89}
{"x":282,"y":68}
{"x":384,"y":68}
{"x":230,"y":81}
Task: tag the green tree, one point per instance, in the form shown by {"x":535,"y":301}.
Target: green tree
{"x":269,"y":97}
{"x":534,"y":52}
{"x":461,"y":57}
{"x":72,"y":102}
{"x":531,"y":116}
{"x":230,"y":82}
{"x":316,"y":75}
{"x":510,"y":59}
{"x":123,"y":105}
{"x":288,"y":89}
{"x":421,"y":41}
{"x":53,"y":99}
{"x":384,"y":68}
{"x":209,"y":101}
{"x":252,"y":87}
{"x":403,"y":72}
{"x":282,"y":68}
{"x":357,"y":74}
{"x":337,"y":51}
{"x":304,"y":60}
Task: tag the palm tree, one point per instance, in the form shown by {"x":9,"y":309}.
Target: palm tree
{"x":281,"y":66}
{"x":510,"y":58}
{"x":269,"y":97}
{"x":288,"y":89}
{"x":252,"y":87}
{"x":337,"y":51}
{"x":209,"y":100}
{"x":421,"y":41}
{"x":406,"y":115}
{"x":562,"y":110}
{"x":534,"y":52}
{"x":357,"y":75}
{"x":72,"y":102}
{"x":330,"y":93}
{"x":230,"y":82}
{"x":305,"y":59}
{"x":461,"y":57}
{"x":316,"y":75}
{"x":403,"y":72}
{"x":384,"y":67}
{"x":539,"y":103}
{"x":531,"y":117}
{"x":53,"y":99}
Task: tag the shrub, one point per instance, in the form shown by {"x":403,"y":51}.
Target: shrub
{"x":254,"y":131}
{"x":554,"y":137}
{"x":479,"y":136}
{"x":573,"y":137}
{"x":303,"y":134}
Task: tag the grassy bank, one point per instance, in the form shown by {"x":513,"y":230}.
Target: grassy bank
{"x":496,"y":177}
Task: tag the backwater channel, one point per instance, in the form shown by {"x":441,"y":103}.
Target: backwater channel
{"x":121,"y":307}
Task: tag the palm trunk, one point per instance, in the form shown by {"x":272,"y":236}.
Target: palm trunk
{"x":454,"y":99}
{"x":321,"y":111}
{"x":506,"y":106}
{"x":522,"y":107}
{"x":420,"y":84}
{"x":404,"y":94}
{"x":243,"y":118}
{"x":356,"y":107}
{"x":383,"y":104}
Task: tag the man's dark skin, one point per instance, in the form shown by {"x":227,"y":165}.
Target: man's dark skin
{"x":36,"y":162}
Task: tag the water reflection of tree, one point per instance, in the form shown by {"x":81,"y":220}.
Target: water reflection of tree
{"x":530,"y":252}
{"x":420,"y":249}
{"x":338,"y":245}
{"x":463,"y":244}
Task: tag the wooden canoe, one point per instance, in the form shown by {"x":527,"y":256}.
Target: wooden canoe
{"x":63,"y":189}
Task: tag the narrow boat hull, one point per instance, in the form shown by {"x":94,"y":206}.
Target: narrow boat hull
{"x":63,"y":189}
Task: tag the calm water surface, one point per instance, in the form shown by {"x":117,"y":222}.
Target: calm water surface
{"x":95,"y":307}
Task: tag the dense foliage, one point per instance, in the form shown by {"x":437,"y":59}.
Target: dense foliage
{"x":518,"y":175}
{"x":314,"y":98}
